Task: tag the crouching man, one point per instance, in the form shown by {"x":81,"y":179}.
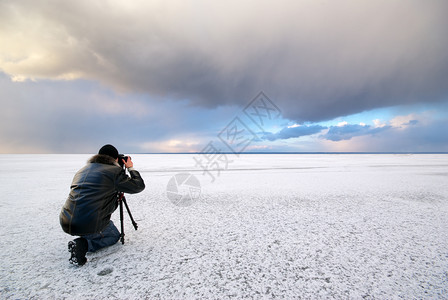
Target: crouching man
{"x":93,"y":199}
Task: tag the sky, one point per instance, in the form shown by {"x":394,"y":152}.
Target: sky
{"x":239,"y":76}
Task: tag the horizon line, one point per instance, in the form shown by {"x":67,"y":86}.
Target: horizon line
{"x":309,"y":152}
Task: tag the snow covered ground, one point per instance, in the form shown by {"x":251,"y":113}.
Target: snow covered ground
{"x":272,"y":226}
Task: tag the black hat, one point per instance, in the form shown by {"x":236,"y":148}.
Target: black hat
{"x":109,"y":150}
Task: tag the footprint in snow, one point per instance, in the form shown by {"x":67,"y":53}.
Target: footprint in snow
{"x":105,"y":271}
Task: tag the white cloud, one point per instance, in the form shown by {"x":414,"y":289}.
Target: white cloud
{"x":378,"y":123}
{"x":402,"y":122}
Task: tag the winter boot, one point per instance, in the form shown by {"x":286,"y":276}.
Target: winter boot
{"x":78,"y":249}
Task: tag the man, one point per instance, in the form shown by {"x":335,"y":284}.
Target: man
{"x":93,"y":199}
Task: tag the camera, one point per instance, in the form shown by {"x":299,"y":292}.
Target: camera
{"x":122,"y":157}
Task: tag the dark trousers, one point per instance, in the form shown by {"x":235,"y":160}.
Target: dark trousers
{"x":109,"y":236}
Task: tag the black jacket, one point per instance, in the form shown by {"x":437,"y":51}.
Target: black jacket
{"x":93,"y":195}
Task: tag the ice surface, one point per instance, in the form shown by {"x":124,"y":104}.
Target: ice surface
{"x":286,"y":226}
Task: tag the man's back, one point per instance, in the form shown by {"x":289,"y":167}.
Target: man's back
{"x":93,"y":195}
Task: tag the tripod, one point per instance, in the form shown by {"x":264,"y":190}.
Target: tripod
{"x":121,"y":200}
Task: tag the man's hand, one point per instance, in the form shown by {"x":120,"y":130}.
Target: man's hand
{"x":128,"y":164}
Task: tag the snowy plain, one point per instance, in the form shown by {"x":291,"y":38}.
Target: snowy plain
{"x":362,"y":226}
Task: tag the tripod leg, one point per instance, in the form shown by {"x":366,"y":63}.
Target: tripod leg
{"x":129,"y":212}
{"x":121,"y":221}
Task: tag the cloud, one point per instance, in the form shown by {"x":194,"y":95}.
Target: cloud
{"x":411,"y":122}
{"x":293,"y":132}
{"x":317,"y":59}
{"x":170,"y":146}
{"x":346,"y":132}
{"x":378,"y":123}
{"x":425,"y":136}
{"x":80,"y":116}
{"x":408,"y":120}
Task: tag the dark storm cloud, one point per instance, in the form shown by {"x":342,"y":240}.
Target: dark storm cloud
{"x":317,"y":59}
{"x":293,"y":132}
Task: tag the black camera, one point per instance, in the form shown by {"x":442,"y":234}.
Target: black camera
{"x":122,"y":157}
